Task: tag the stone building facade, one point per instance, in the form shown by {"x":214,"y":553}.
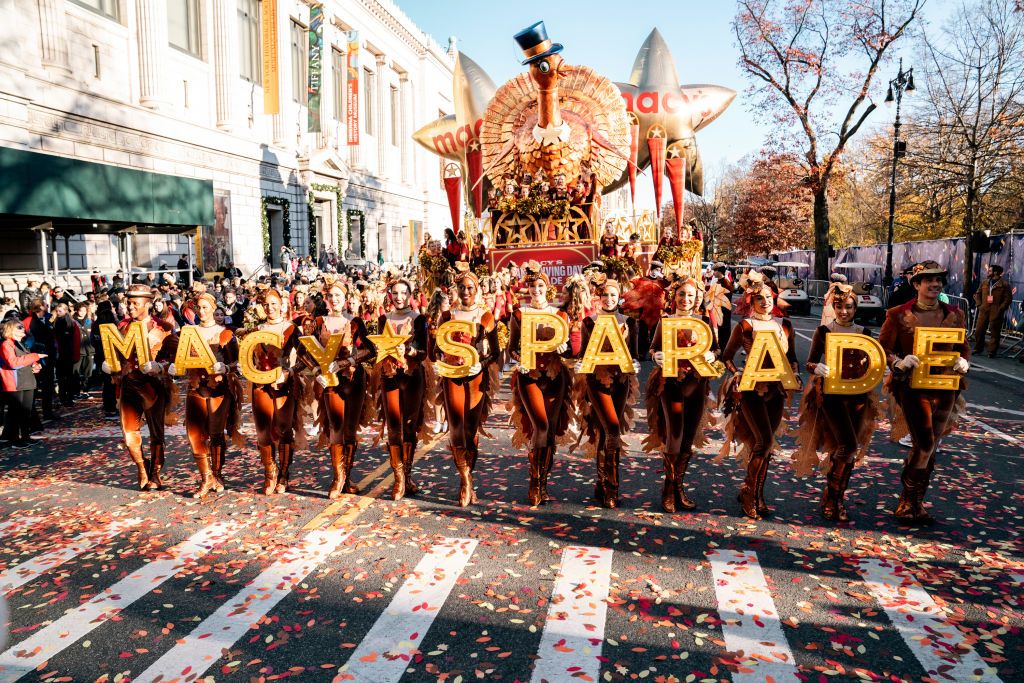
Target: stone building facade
{"x":173,"y":87}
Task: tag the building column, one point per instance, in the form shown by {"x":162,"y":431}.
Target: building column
{"x":151,"y":29}
{"x":53,"y":34}
{"x":404,"y":86}
{"x":225,"y":60}
{"x":382,"y":134}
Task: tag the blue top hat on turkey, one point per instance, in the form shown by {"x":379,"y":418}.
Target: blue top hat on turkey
{"x":535,"y":44}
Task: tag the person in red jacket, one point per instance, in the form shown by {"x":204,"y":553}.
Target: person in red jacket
{"x":17,"y":372}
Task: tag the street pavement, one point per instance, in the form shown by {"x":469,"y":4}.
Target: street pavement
{"x":103,"y":583}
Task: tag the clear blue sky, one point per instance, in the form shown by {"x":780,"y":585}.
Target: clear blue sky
{"x":606,"y":35}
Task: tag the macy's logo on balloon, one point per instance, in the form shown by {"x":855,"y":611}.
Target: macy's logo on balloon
{"x":447,"y":143}
{"x":654,"y":102}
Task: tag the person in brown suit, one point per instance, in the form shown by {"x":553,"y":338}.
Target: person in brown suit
{"x":929,"y":413}
{"x":993,"y":298}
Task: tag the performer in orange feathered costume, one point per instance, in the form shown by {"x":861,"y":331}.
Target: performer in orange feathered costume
{"x":213,"y":399}
{"x":275,"y":405}
{"x":542,"y":405}
{"x":403,"y":386}
{"x":344,"y":407}
{"x":606,"y":397}
{"x":754,"y":417}
{"x":467,"y":400}
{"x":678,"y":407}
{"x":145,"y":391}
{"x":839,"y":424}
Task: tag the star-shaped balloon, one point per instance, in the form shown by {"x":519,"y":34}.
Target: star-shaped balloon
{"x":387,"y":343}
{"x":655,"y":96}
{"x":456,"y":136}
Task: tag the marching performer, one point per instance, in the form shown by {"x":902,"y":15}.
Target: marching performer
{"x":754,"y":417}
{"x":542,"y":405}
{"x":467,"y":399}
{"x":929,"y":413}
{"x":146,"y":392}
{"x":213,"y":400}
{"x":275,"y":405}
{"x":606,"y":396}
{"x":839,"y":424}
{"x":403,"y":385}
{"x":678,"y":407}
{"x":343,"y":407}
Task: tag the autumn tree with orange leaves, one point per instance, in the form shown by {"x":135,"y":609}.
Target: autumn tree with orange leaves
{"x":772,"y":210}
{"x":812,"y":64}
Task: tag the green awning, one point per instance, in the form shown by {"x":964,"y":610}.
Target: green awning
{"x":34,"y":184}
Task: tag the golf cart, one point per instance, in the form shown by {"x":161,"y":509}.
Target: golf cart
{"x":869,"y":304}
{"x":791,"y":286}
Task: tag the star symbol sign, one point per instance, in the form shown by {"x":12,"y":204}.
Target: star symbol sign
{"x":388,"y":342}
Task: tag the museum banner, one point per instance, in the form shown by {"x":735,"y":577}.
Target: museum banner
{"x":352,"y":89}
{"x":558,"y":263}
{"x":316,"y":50}
{"x":271,"y":77}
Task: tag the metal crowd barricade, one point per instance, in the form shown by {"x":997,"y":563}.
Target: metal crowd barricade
{"x":1013,"y":329}
{"x":816,"y":290}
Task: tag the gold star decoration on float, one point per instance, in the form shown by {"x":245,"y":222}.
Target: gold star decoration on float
{"x":655,"y":96}
{"x":387,"y":343}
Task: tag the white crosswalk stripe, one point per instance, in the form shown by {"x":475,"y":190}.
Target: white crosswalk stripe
{"x":48,"y":642}
{"x":191,"y":657}
{"x":22,"y":573}
{"x":570,"y":646}
{"x":751,"y":622}
{"x":571,"y":642}
{"x":385,"y":652}
{"x":11,"y":526}
{"x":937,"y":644}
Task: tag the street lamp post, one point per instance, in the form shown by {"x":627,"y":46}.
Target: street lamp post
{"x":904,"y":81}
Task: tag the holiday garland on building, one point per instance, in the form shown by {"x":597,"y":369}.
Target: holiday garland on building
{"x":342,"y":243}
{"x":286,"y":220}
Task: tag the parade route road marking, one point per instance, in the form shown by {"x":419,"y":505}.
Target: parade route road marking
{"x":985,"y":368}
{"x":751,"y":621}
{"x":385,"y":652}
{"x":996,"y":409}
{"x":208,"y":642}
{"x":363,"y":501}
{"x":13,"y":526}
{"x":21,"y":574}
{"x":59,"y":635}
{"x":570,"y":646}
{"x":992,"y":430}
{"x":935,"y":640}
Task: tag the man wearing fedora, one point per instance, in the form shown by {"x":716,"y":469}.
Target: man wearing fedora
{"x":144,"y":389}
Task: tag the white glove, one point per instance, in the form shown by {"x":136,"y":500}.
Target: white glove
{"x":578,"y":367}
{"x":822,"y":370}
{"x":475,"y":369}
{"x":961,"y":366}
{"x":322,"y":380}
{"x":402,"y":350}
{"x":172,"y":369}
{"x":907,"y":362}
{"x":659,"y":358}
{"x":483,"y":347}
{"x":105,"y":367}
{"x":562,"y":348}
{"x":636,"y":367}
{"x":523,"y":369}
{"x":219,"y":368}
{"x":281,"y":379}
{"x":152,"y":368}
{"x":334,"y":367}
{"x":710,"y":357}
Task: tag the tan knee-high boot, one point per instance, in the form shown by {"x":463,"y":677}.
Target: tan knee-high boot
{"x":398,"y":469}
{"x":206,"y":480}
{"x":350,"y":454}
{"x":338,"y":470}
{"x":216,"y":463}
{"x":461,"y":457}
{"x":269,"y":470}
{"x":156,"y":452}
{"x":140,"y":462}
{"x":408,"y":450}
{"x":286,"y":451}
